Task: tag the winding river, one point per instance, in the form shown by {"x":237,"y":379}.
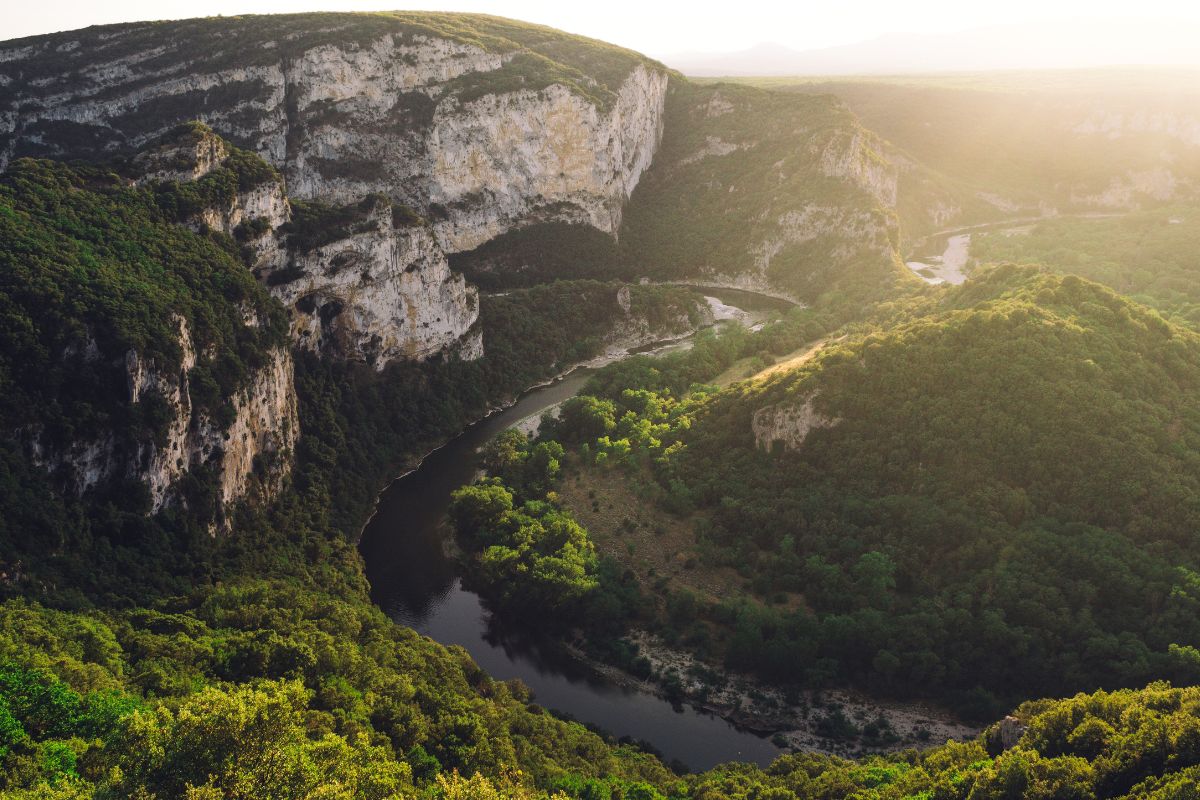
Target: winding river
{"x":417,"y":584}
{"x":942,"y":257}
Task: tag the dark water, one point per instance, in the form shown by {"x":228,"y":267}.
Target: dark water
{"x":417,"y":585}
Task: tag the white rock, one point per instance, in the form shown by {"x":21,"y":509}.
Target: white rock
{"x":378,"y":296}
{"x":788,"y":422}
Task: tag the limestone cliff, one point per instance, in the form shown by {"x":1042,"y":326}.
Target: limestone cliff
{"x":477,"y":123}
{"x":248,"y":445}
{"x":362,"y":282}
{"x":765,"y":191}
{"x":376,"y":291}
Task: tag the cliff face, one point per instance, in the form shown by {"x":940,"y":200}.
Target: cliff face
{"x":378,"y":292}
{"x":541,"y":156}
{"x":395,"y":139}
{"x":477,"y":131}
{"x":766,"y":191}
{"x":787,"y":422}
{"x":478,"y":125}
{"x":358,"y":285}
{"x":249,"y":451}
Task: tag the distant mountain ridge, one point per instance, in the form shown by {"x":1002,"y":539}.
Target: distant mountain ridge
{"x":1037,"y":45}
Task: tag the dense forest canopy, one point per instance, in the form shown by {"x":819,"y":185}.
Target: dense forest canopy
{"x":993,"y":493}
{"x":1151,"y":255}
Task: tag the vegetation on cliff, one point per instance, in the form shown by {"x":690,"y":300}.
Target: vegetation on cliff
{"x":93,"y":269}
{"x":765,"y":187}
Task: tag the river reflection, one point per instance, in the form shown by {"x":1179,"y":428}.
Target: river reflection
{"x":416,"y":584}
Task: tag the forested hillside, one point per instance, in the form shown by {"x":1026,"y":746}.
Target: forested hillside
{"x":1023,"y":143}
{"x":147,"y":679}
{"x":1151,"y":255}
{"x":991,"y":492}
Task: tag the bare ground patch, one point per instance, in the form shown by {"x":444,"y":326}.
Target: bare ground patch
{"x":659,"y":548}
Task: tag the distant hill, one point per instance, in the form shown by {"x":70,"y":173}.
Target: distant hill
{"x":1034,"y":142}
{"x":1036,"y":45}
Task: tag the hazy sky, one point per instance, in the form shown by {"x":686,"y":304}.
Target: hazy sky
{"x":656,"y":28}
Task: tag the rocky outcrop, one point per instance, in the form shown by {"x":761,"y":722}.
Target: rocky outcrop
{"x":788,"y":423}
{"x":470,"y":130}
{"x":1004,"y":735}
{"x":376,"y":290}
{"x":1115,"y":124}
{"x":852,"y":230}
{"x":714,"y":146}
{"x":381,"y":293}
{"x":550,"y":155}
{"x":632,"y":329}
{"x":857,"y":156}
{"x":1133,"y":189}
{"x":187,"y":156}
{"x":255,"y":450}
{"x":249,"y":455}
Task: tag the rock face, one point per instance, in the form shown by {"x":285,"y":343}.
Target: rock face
{"x":1133,"y":188}
{"x":853,"y":229}
{"x":383,"y":292}
{"x":466,"y":128}
{"x":374,"y":290}
{"x":857,"y":156}
{"x":540,"y":156}
{"x":264,"y":432}
{"x":1004,"y":735}
{"x":478,"y":125}
{"x":788,"y":422}
{"x":1115,"y":124}
{"x":251,"y":453}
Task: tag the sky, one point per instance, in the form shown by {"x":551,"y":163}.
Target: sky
{"x":656,"y":28}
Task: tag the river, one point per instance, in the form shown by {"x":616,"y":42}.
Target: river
{"x":417,"y":584}
{"x":942,"y":257}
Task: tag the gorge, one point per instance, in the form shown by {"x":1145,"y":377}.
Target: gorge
{"x":253,"y":268}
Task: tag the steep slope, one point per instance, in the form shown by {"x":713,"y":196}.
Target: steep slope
{"x":765,"y":190}
{"x":479,"y":123}
{"x":364,"y":282}
{"x":137,"y":351}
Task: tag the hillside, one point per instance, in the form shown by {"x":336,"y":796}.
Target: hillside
{"x":765,"y":190}
{"x":1027,"y":143}
{"x":135,"y":349}
{"x":992,"y":492}
{"x":1151,"y":255}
